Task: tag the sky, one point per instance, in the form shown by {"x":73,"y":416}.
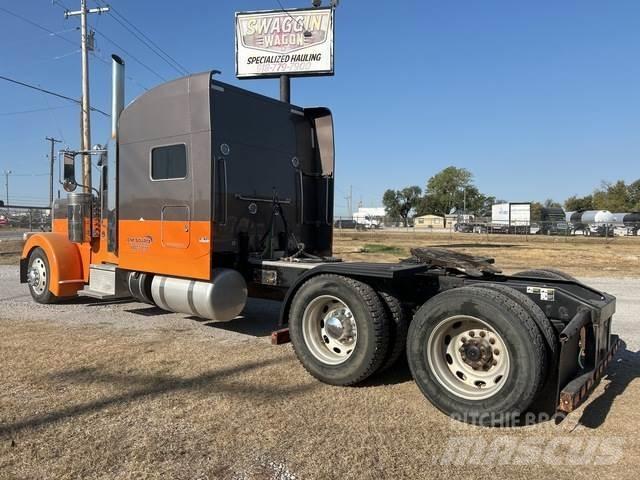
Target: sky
{"x":537,"y":99}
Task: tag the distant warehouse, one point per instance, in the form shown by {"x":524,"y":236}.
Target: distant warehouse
{"x":428,"y":221}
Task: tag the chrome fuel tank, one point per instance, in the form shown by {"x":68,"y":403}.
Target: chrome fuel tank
{"x":221,"y":299}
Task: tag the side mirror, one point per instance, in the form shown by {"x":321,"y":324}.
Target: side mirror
{"x":69,"y":172}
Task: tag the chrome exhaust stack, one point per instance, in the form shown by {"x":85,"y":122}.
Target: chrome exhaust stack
{"x":117,"y":93}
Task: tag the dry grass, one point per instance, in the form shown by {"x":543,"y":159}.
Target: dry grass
{"x":10,"y":251}
{"x":98,"y":402}
{"x":597,"y":257}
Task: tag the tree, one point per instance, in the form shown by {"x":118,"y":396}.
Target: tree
{"x":400,"y":203}
{"x":634,"y":196}
{"x":536,"y":211}
{"x":613,"y":197}
{"x":451,"y":188}
{"x":575,"y":203}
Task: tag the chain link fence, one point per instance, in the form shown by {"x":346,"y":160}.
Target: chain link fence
{"x":15,"y":220}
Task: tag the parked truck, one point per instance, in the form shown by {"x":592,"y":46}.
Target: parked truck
{"x":220,"y":194}
{"x":510,"y":217}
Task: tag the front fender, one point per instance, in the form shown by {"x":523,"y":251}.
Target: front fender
{"x":66,"y":274}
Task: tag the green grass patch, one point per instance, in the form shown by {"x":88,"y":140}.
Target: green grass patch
{"x":381,"y":248}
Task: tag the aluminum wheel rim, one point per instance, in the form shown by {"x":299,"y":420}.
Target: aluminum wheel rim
{"x":329,"y":329}
{"x":37,"y":276}
{"x":468,"y":357}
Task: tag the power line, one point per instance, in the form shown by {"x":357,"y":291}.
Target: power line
{"x":49,"y":92}
{"x":130,"y":55}
{"x":29,"y":174}
{"x":56,"y":34}
{"x":61,"y":4}
{"x":34,"y":110}
{"x":287,"y":12}
{"x":37,"y":25}
{"x":145,"y":40}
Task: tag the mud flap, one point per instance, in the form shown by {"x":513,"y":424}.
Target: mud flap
{"x":586,"y":348}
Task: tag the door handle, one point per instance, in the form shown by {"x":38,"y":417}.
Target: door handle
{"x":223,"y":190}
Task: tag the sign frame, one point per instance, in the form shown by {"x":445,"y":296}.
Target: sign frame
{"x":290,"y":12}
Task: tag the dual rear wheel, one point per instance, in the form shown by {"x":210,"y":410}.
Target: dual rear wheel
{"x":476,"y":352}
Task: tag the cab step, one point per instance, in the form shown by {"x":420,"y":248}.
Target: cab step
{"x":105,"y":283}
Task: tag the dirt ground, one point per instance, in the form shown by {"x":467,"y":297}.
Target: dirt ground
{"x":97,"y":402}
{"x":611,"y":257}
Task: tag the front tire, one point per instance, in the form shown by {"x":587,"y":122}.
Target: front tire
{"x":38,"y":277}
{"x":339,"y":329}
{"x":477,"y":355}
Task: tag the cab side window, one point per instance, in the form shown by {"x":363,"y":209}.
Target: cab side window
{"x":169,"y":162}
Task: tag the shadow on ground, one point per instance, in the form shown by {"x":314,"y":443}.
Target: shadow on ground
{"x":136,"y":387}
{"x":621,"y":372}
{"x":258,"y":319}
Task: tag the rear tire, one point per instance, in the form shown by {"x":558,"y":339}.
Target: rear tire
{"x":398,"y":329}
{"x":451,"y":334}
{"x":38,"y":277}
{"x":339,"y":329}
{"x":540,"y":319}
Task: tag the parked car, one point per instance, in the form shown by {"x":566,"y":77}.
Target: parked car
{"x":347,"y":224}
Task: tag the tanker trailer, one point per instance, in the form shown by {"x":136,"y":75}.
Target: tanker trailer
{"x":597,"y":222}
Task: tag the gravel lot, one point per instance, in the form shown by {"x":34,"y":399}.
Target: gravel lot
{"x":124,"y":390}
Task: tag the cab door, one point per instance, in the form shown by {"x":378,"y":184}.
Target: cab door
{"x":175,"y":228}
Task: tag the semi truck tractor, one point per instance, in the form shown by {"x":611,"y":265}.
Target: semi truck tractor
{"x":217,"y":194}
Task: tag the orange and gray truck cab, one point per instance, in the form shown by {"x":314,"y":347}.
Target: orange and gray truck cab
{"x":207,"y":175}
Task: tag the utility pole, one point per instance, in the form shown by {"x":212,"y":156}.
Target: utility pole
{"x":51,"y":162}
{"x":464,"y":200}
{"x":349,"y":200}
{"x":6,"y":183}
{"x":86,"y":118}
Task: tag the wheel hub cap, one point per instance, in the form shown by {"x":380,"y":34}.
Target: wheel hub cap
{"x":334,"y":327}
{"x":468,"y":357}
{"x":37,"y":276}
{"x":33,"y":277}
{"x":477,"y":353}
{"x":329,"y":329}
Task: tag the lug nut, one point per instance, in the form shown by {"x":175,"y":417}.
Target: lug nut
{"x":463,"y":339}
{"x":494,"y":363}
{"x":492,"y":341}
{"x":482,"y":333}
{"x":496,"y":352}
{"x":461,"y":349}
{"x":472,"y":333}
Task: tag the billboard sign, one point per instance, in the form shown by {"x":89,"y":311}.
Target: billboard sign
{"x":284,"y":42}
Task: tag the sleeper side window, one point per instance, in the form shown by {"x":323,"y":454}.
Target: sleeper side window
{"x":169,"y":162}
